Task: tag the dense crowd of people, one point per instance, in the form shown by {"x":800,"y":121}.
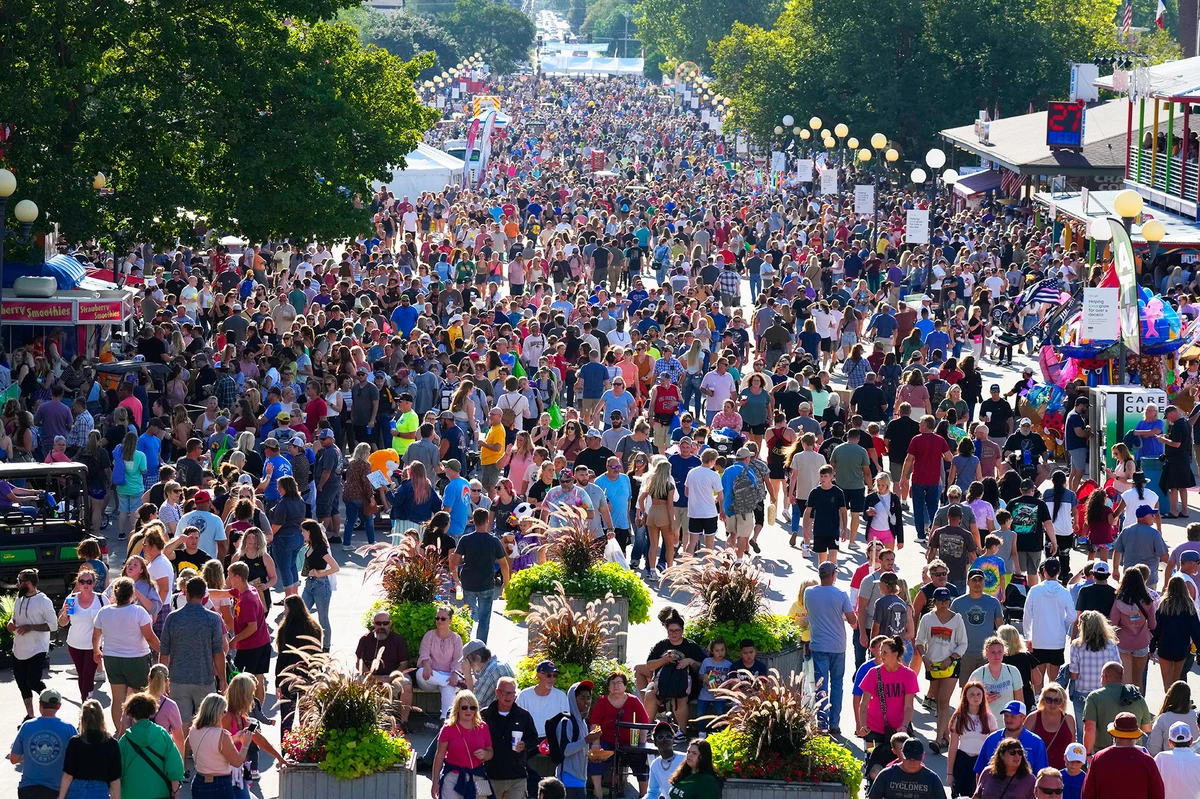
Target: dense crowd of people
{"x":684,"y":356}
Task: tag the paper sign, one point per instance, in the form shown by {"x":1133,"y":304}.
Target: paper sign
{"x":917,"y":226}
{"x":377,"y":479}
{"x":804,"y":170}
{"x":1101,"y":314}
{"x":829,"y":181}
{"x":864,"y":200}
{"x":695,"y":103}
{"x":778,"y":161}
{"x":743,"y":146}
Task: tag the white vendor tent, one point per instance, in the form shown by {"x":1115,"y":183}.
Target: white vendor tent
{"x":427,"y":169}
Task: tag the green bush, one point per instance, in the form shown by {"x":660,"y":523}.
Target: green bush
{"x":570,"y":673}
{"x":770,"y":632}
{"x":819,"y":759}
{"x":413,"y":619}
{"x":359,"y":752}
{"x":607,"y":578}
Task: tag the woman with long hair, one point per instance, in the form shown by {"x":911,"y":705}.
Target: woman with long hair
{"x":570,"y":441}
{"x":78,"y":614}
{"x":696,"y":778}
{"x":1132,"y":615}
{"x":298,"y":635}
{"x":146,"y":593}
{"x":414,"y":501}
{"x":166,"y":713}
{"x":656,"y":510}
{"x":215,"y":751}
{"x":1008,"y":776}
{"x":463,"y":408}
{"x":892,"y":682}
{"x":252,"y":550}
{"x":1062,"y":502}
{"x":99,"y":465}
{"x":129,"y":492}
{"x":91,"y":766}
{"x":519,"y":462}
{"x":1123,"y":468}
{"x":1016,"y":656}
{"x":319,"y":566}
{"x":1053,"y":724}
{"x":970,"y":725}
{"x":940,"y":652}
{"x":357,"y":493}
{"x":914,"y":392}
{"x":464,"y":744}
{"x":1101,"y":527}
{"x":1095,"y":645}
{"x":1177,"y":627}
{"x":239,"y":699}
{"x":756,"y":406}
{"x":1176,"y":707}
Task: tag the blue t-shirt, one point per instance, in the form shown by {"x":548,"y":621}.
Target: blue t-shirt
{"x":827,"y":606}
{"x":859,"y":674}
{"x":938,"y":340}
{"x":404,"y":318}
{"x":43,"y":743}
{"x":718,"y":669}
{"x":457,"y":499}
{"x":1072,"y":786}
{"x":151,"y":447}
{"x":624,"y":403}
{"x":680,"y":466}
{"x":592,"y":375}
{"x":280,"y":467}
{"x":1151,"y":446}
{"x":885,"y":324}
{"x":925,"y":326}
{"x":1071,"y":439}
{"x":619,"y":493}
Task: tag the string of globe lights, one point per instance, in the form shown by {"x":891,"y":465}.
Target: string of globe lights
{"x":444,"y":82}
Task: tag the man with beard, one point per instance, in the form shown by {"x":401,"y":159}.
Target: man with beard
{"x":383,"y":653}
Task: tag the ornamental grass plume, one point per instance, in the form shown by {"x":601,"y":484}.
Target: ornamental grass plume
{"x":572,"y":544}
{"x":331,"y":696}
{"x":775,"y":714}
{"x":408,"y":571}
{"x":724,"y":588}
{"x":559,"y":633}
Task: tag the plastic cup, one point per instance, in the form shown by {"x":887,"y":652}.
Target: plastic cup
{"x":635,"y":737}
{"x":516,"y":737}
{"x":70,"y":605}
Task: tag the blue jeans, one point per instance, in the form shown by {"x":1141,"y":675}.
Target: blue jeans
{"x":354,"y":509}
{"x":284,"y":549}
{"x":691,"y":390}
{"x":316,"y":595}
{"x":480,"y":603}
{"x":641,"y":546}
{"x":829,"y":672}
{"x":797,"y":517}
{"x":220,"y":788}
{"x":925,"y":501}
{"x":88,"y":789}
{"x":755,"y":286}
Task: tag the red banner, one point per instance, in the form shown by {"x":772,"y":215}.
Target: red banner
{"x":47,"y":312}
{"x":99,"y":311}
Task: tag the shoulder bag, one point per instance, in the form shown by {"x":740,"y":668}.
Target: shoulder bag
{"x":172,"y":786}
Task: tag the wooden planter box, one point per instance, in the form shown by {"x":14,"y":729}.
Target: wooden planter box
{"x":787,"y":662}
{"x":772,"y":789}
{"x":309,"y":782}
{"x":619,"y":610}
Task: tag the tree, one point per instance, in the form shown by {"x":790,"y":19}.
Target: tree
{"x":253,"y":116}
{"x":577,"y":14}
{"x":606,"y":19}
{"x":682,"y":30}
{"x":503,"y":35}
{"x":1145,"y":12}
{"x":407,"y":36}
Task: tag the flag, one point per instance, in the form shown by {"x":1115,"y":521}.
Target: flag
{"x":1010,"y":183}
{"x":1160,"y":15}
{"x":1127,"y":21}
{"x":518,"y":370}
{"x":1048,"y":290}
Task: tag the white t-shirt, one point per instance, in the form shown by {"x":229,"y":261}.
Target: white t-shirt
{"x":702,"y":486}
{"x":722,"y":387}
{"x":542,"y":708}
{"x":1132,"y":501}
{"x":161,"y":567}
{"x":1009,"y":685}
{"x":31,"y":610}
{"x":807,"y":466}
{"x":122,"y":630}
{"x":79,"y":631}
{"x":880,"y":521}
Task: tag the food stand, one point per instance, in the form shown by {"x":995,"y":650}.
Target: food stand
{"x":93,"y":309}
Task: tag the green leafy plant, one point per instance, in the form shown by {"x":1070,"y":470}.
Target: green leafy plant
{"x":413,"y":619}
{"x":770,"y":632}
{"x":7,"y":603}
{"x":606,"y":578}
{"x":329,"y":697}
{"x":570,"y":673}
{"x":820,"y":759}
{"x":357,"y":752}
{"x":561,"y":634}
{"x":724,"y":588}
{"x":409,"y":572}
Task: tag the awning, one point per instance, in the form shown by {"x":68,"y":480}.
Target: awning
{"x":978,"y":182}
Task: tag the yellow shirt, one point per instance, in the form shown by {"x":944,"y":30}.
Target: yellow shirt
{"x":495,"y":436}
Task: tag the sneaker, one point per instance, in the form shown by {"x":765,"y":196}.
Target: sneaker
{"x":347,"y":548}
{"x":755,"y":547}
{"x":121,"y":536}
{"x":681,"y":737}
{"x":836,"y":732}
{"x":805,"y":551}
{"x":335,"y":539}
{"x":254,"y":775}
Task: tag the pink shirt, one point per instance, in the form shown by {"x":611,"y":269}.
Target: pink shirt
{"x":898,"y":686}
{"x":440,"y":654}
{"x":462,"y":742}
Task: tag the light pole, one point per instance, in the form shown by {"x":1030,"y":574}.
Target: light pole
{"x":26,"y":212}
{"x":1128,"y":206}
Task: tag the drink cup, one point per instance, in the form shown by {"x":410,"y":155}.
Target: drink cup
{"x":516,"y":737}
{"x":635,"y":737}
{"x":70,"y":605}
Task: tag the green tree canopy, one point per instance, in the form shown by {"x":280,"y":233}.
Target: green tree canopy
{"x":409,"y":35}
{"x":253,"y":116}
{"x":682,"y":30}
{"x":502,"y":34}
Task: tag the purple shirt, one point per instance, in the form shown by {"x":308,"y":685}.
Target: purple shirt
{"x":55,"y":419}
{"x":6,"y":491}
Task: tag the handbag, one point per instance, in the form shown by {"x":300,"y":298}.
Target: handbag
{"x":483,"y":786}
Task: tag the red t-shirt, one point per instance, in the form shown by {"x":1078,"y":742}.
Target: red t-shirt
{"x":463,"y":742}
{"x":604,"y":714}
{"x":1123,"y":771}
{"x":247,"y":607}
{"x":926,"y":450}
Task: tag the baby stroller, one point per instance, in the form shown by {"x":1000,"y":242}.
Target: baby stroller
{"x":726,"y":441}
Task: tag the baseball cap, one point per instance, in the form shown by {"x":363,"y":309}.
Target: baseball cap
{"x":1075,"y":752}
{"x":1028,"y":370}
{"x":1015,"y":707}
{"x":380,"y":375}
{"x":245,"y":479}
{"x":202,"y":496}
{"x":472,"y":646}
{"x":913,"y":749}
{"x":271,"y":443}
{"x":546,"y":667}
{"x":592,"y":433}
{"x":941,"y":594}
{"x":446,"y":415}
{"x":362,"y":370}
{"x":1180,"y":732}
{"x":586,"y":685}
{"x":49,"y":698}
{"x":827,"y":568}
{"x":1189,"y":556}
{"x":298,"y":441}
{"x":976,"y":573}
{"x":1100,"y":567}
{"x":742,"y":453}
{"x":237,"y":306}
{"x":325,"y":433}
{"x":453,"y":464}
{"x":995,"y":386}
{"x":1145,"y":510}
{"x":566,"y":474}
{"x":1026,"y":420}
{"x":283,"y":417}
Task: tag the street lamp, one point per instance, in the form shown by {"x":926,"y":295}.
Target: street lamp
{"x":852,"y":143}
{"x":804,"y":134}
{"x":26,"y":212}
{"x":950,"y":177}
{"x":1128,"y":205}
{"x":891,"y":155}
{"x":778,"y":130}
{"x":815,"y":123}
{"x":1153,"y":232}
{"x":878,"y":141}
{"x":935,"y":158}
{"x":840,"y":130}
{"x":918,"y":176}
{"x":788,"y":120}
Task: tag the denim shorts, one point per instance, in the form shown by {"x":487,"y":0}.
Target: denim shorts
{"x":88,"y":789}
{"x":128,"y":504}
{"x":284,"y":549}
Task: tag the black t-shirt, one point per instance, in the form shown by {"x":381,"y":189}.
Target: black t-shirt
{"x":868,"y":401}
{"x":1098,"y":597}
{"x":1001,"y":412}
{"x":601,"y":256}
{"x":1029,"y":515}
{"x":690,"y":649}
{"x":314,"y":558}
{"x":826,"y":504}
{"x":896,"y":783}
{"x":98,"y":761}
{"x":899,"y":434}
{"x":594,"y":459}
{"x":182,"y":559}
{"x":1180,"y":431}
{"x":480,"y":552}
{"x":1029,"y":445}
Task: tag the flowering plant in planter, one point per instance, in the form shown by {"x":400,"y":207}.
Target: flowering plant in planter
{"x":574,"y":640}
{"x":770,"y":733}
{"x":414,"y":581}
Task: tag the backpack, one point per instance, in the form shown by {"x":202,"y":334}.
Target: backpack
{"x":554,"y":742}
{"x":671,"y":682}
{"x":745,"y":494}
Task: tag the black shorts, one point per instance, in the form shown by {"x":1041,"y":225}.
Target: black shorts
{"x":760,"y":515}
{"x":856,"y":499}
{"x":1048,"y":657}
{"x":823,"y":544}
{"x":757,"y":429}
{"x":826,"y":345}
{"x":254,"y":661}
{"x":776,"y":471}
{"x":703,"y":526}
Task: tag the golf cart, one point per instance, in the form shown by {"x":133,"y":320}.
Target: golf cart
{"x":43,"y":532}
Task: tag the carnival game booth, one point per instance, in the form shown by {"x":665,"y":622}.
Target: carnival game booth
{"x":59,"y":294}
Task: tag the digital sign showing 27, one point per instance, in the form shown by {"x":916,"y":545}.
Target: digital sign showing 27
{"x":1064,"y":124}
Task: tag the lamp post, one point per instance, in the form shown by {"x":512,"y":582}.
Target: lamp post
{"x":1128,"y":206}
{"x":26,"y":212}
{"x":935,"y":159}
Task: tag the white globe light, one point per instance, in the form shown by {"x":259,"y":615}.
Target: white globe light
{"x":26,"y":211}
{"x":8,"y":183}
{"x":778,"y":130}
{"x":950,"y":177}
{"x":788,"y":120}
{"x":935,"y":158}
{"x":1100,"y":230}
{"x":918,"y":175}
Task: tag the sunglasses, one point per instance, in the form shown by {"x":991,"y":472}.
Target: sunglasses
{"x":472,"y":708}
{"x":1052,"y":700}
{"x":1051,"y":791}
{"x":383,"y":624}
{"x":442,"y":618}
{"x":85,"y":582}
{"x":939,"y":574}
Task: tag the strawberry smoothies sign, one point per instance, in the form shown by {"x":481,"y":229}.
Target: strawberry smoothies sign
{"x":66,"y":311}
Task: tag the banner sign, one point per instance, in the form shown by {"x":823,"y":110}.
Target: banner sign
{"x":1101,"y":315}
{"x":778,"y":161}
{"x":45,"y":312}
{"x":917,"y":226}
{"x":1126,"y":267}
{"x":864,"y":200}
{"x":486,"y":102}
{"x":829,"y":181}
{"x":99,"y":311}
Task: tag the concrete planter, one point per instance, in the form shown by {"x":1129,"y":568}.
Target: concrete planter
{"x":309,"y":782}
{"x":787,"y":662}
{"x":772,"y":789}
{"x":618,"y":610}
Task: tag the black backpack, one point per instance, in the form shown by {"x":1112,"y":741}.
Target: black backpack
{"x":671,"y":682}
{"x":553,"y":742}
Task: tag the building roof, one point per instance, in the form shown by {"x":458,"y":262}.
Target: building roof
{"x":978,"y":182}
{"x":1172,"y":79}
{"x":1019,"y":143}
{"x":1181,"y":232}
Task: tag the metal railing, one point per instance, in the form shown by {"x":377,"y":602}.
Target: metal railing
{"x":1160,"y":166}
